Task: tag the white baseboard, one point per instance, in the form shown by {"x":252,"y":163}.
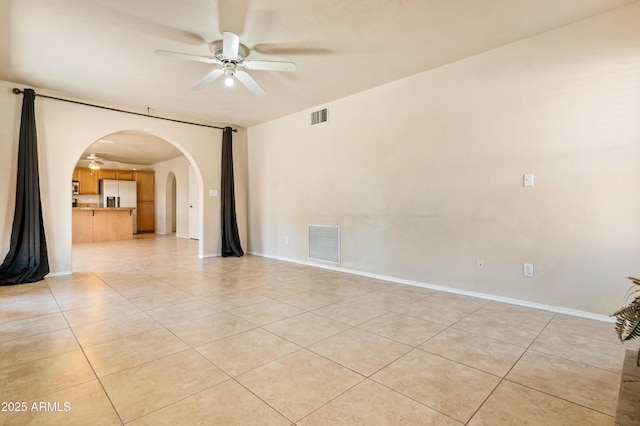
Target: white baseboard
{"x":205,"y":256}
{"x":524,"y":303}
{"x":58,"y":274}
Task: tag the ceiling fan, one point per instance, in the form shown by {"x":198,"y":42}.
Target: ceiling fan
{"x":231,"y":54}
{"x":94,"y":161}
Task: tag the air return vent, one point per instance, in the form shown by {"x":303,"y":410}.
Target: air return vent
{"x":319,"y":116}
{"x":324,"y":243}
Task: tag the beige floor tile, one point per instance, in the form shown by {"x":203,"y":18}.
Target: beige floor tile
{"x":31,"y":326}
{"x":513,"y":404}
{"x":26,"y":301}
{"x":115,"y":328}
{"x":311,"y":299}
{"x":516,"y":313}
{"x":580,"y":383}
{"x":586,"y":327}
{"x":158,"y":300}
{"x":307,"y":328}
{"x":36,"y":347}
{"x":369,"y":403}
{"x":446,"y":386}
{"x":227,"y":403}
{"x":130,"y":351}
{"x":299,"y":383}
{"x":211,"y":328}
{"x":479,"y":352}
{"x":360,"y":351}
{"x":389,"y":300}
{"x":236,"y":299}
{"x":143,"y":389}
{"x":401,"y":328}
{"x":95,"y":295}
{"x":351,"y":312}
{"x":503,"y":329}
{"x":267,"y":312}
{"x":442,"y":308}
{"x":27,"y":380}
{"x":140,"y":288}
{"x":123,"y":310}
{"x":192,"y":310}
{"x":247,"y":350}
{"x":579,"y":348}
{"x":77,"y":405}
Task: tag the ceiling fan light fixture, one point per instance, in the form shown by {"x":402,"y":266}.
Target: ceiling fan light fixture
{"x":228,"y":81}
{"x":93,"y":165}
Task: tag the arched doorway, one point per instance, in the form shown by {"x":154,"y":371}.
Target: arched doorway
{"x":132,"y":153}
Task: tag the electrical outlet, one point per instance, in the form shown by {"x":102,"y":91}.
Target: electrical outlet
{"x":527,"y":179}
{"x":480,"y":266}
{"x":286,"y":240}
{"x":528,"y":269}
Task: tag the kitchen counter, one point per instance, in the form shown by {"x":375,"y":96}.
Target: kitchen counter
{"x":103,"y":208}
{"x":95,"y":224}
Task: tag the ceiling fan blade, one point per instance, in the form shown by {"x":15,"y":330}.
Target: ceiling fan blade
{"x":230,"y":44}
{"x":205,"y":59}
{"x":251,"y":84}
{"x":208,"y":78}
{"x":269,"y":65}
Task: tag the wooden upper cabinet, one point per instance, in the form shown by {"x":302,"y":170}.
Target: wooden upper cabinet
{"x":88,"y":180}
{"x":125,"y":175}
{"x":106,"y":174}
{"x":75,"y":174}
{"x":145,"y":185}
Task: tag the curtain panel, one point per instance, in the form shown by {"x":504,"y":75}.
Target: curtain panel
{"x":230,"y":237}
{"x":27,"y":260}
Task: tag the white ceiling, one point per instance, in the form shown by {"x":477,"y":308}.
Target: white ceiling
{"x":102,"y":50}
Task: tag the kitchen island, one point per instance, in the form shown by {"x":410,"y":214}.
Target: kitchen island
{"x":95,"y":224}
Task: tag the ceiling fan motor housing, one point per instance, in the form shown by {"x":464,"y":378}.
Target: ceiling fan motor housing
{"x":216,"y":49}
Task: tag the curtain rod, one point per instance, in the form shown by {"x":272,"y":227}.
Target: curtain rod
{"x":18,"y":91}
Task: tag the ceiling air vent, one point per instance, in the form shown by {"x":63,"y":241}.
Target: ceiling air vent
{"x":319,"y":116}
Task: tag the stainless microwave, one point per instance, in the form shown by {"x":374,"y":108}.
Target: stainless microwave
{"x":75,"y":187}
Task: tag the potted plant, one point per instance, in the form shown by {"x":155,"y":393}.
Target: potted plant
{"x":628,"y":317}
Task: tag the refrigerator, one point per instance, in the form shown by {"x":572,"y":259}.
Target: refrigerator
{"x":120,"y":193}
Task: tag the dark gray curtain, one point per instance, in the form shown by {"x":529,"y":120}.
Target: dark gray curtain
{"x":230,"y":238}
{"x":27,"y":260}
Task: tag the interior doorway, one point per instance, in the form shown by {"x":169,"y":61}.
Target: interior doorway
{"x":171,"y":204}
{"x":194,"y":205}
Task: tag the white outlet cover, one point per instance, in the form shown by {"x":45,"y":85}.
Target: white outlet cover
{"x":528,"y":179}
{"x":528,"y":269}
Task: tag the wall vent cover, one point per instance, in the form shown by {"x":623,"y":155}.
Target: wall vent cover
{"x":319,"y":116}
{"x":324,"y":243}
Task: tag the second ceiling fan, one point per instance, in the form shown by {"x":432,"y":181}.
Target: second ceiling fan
{"x":231,"y":55}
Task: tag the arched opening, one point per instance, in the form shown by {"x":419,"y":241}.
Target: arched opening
{"x":131,"y":156}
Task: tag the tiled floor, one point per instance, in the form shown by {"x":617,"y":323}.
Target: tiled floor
{"x":146,"y":333}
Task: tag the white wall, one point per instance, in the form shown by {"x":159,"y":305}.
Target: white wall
{"x":424,"y":175}
{"x":64,"y":131}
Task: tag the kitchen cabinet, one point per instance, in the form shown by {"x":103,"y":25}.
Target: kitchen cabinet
{"x":88,"y":180}
{"x":145,"y":187}
{"x":146,"y":216}
{"x":125,"y":175}
{"x":106,"y":174}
